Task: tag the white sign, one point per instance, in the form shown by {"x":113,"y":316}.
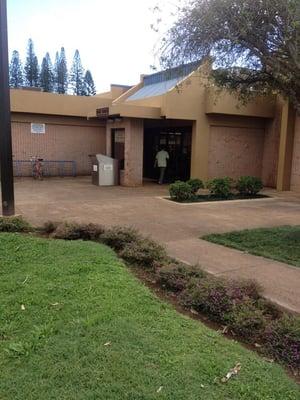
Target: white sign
{"x":108,"y":167}
{"x":38,"y":128}
{"x":95,"y":168}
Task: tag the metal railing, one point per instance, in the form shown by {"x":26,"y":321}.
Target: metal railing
{"x":50,"y":168}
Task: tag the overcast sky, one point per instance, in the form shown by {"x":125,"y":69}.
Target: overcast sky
{"x":113,"y":36}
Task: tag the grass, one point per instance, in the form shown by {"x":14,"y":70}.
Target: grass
{"x":75,"y":324}
{"x":281,"y":244}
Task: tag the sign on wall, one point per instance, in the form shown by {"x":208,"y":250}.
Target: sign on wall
{"x":38,"y":129}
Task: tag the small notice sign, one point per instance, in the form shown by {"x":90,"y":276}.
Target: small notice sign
{"x":38,"y":129}
{"x":108,"y":167}
{"x":95,"y":168}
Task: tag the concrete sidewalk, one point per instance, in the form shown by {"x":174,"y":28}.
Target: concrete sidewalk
{"x":177,"y":226}
{"x":280,"y":281}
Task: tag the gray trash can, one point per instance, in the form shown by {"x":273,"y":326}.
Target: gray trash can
{"x":105,"y":170}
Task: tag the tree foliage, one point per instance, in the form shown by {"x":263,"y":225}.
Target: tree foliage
{"x":51,"y":78}
{"x":46,"y":75}
{"x":89,"y":85}
{"x":16,"y":78}
{"x":61,"y":72}
{"x":31,"y":66}
{"x":77,"y":76}
{"x":255,"y":44}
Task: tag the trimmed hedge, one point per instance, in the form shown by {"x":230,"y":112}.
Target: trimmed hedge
{"x":145,"y":253}
{"x":249,"y":185}
{"x":176,"y":277}
{"x":75,"y":231}
{"x":14,"y":224}
{"x":220,"y":187}
{"x":118,"y":237}
{"x":217,"y":297}
{"x":181,"y":191}
{"x":282,"y":340}
{"x":195,"y":184}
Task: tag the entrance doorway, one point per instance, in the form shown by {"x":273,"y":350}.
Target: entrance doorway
{"x":177,"y":142}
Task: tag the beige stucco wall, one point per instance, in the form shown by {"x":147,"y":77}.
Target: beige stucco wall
{"x":235,"y":151}
{"x":295,"y":176}
{"x":65,"y":139}
{"x":28,"y":101}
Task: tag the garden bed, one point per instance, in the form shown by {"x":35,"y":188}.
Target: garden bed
{"x":207,"y":198}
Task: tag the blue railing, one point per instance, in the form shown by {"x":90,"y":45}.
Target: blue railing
{"x":49,"y":168}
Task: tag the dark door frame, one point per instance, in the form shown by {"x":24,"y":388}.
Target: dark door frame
{"x":168,"y":130}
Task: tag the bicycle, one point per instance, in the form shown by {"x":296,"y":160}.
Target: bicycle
{"x":37,"y":167}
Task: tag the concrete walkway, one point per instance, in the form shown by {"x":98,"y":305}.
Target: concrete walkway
{"x":177,"y":226}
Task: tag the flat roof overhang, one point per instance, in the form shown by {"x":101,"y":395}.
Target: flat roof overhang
{"x":129,"y":111}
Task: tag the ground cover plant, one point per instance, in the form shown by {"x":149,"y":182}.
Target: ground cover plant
{"x":280,"y":243}
{"x":246,"y":187}
{"x":76,"y":324}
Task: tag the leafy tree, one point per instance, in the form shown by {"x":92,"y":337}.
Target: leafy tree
{"x":255,"y":44}
{"x":89,"y":85}
{"x":46,"y":75}
{"x":77,"y":76}
{"x":16,"y":78}
{"x":31,"y":66}
{"x":61,"y":72}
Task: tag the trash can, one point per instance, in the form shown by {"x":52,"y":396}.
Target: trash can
{"x":105,"y":170}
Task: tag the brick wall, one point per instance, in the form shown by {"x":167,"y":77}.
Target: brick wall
{"x":65,"y":139}
{"x":235,"y":151}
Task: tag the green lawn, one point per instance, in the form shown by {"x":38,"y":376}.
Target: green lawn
{"x":281,"y":244}
{"x":76,"y":325}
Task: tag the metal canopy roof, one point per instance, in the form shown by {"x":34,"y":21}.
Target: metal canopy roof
{"x":161,"y":82}
{"x":156,"y":89}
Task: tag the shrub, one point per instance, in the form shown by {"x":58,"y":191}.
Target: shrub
{"x":49,"y":227}
{"x":247,"y":320}
{"x":118,"y":237}
{"x":177,"y":277}
{"x":181,"y":191}
{"x":75,"y":231}
{"x":196,"y":185}
{"x":145,"y":253}
{"x":217,"y":297}
{"x":249,"y":185}
{"x":282,"y":340}
{"x":14,"y":224}
{"x":220,"y":187}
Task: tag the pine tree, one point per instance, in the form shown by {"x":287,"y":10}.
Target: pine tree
{"x":89,"y":85}
{"x":55,"y":72}
{"x":61,"y":72}
{"x":31,"y":66}
{"x":16,"y":78}
{"x":77,"y":76}
{"x":46,"y":75}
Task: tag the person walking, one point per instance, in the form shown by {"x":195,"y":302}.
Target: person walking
{"x":161,"y":161}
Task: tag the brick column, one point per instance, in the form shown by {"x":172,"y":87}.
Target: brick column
{"x":134,"y":152}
